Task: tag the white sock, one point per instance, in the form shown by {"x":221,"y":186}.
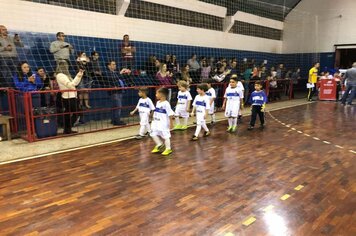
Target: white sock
{"x":240,"y":113}
{"x":230,"y":122}
{"x":234,"y":121}
{"x":177,"y":120}
{"x":205,"y":127}
{"x":213,"y":118}
{"x":167,"y":143}
{"x":157,"y":140}
{"x":142,"y":130}
{"x":185,"y":121}
{"x":197,"y":131}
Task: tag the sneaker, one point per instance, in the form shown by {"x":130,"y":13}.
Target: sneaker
{"x":239,"y":119}
{"x":167,"y":152}
{"x":212,"y":122}
{"x":229,"y":129}
{"x":207,"y":133}
{"x":139,"y":137}
{"x":177,"y":127}
{"x":233,"y":129}
{"x":184,"y":127}
{"x":157,"y":148}
{"x":250,"y":128}
{"x":194,"y":138}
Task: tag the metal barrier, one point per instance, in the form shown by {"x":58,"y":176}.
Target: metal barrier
{"x":108,"y":106}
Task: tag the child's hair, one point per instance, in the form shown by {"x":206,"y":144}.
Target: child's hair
{"x":203,"y":87}
{"x":143,"y":90}
{"x":182,"y":83}
{"x":258,"y":82}
{"x":234,"y":78}
{"x":163,"y":91}
{"x":210,"y":81}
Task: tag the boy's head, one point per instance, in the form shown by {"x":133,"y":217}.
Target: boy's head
{"x":162,"y":94}
{"x":233,"y":82}
{"x":202,"y":88}
{"x":258,"y":85}
{"x":209,"y":82}
{"x":143,"y":92}
{"x":182,"y":85}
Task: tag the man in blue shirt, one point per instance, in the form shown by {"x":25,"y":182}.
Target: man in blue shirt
{"x":112,"y":80}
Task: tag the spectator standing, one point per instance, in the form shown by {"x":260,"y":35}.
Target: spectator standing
{"x":95,"y":70}
{"x":69,"y":98}
{"x":194,"y":68}
{"x":61,"y":50}
{"x":280,"y":73}
{"x":127,"y":52}
{"x":313,"y":79}
{"x":86,"y":82}
{"x":45,"y":97}
{"x":173,"y":65}
{"x":151,"y":69}
{"x":112,"y":80}
{"x":350,"y":77}
{"x":8,"y":56}
{"x":205,"y":71}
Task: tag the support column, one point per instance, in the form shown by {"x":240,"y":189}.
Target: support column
{"x":121,"y":7}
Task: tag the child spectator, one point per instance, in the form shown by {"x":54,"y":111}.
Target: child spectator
{"x":144,"y":107}
{"x":86,"y":82}
{"x":205,"y":71}
{"x":201,"y":105}
{"x":212,"y":96}
{"x":233,"y":102}
{"x":183,"y":105}
{"x":258,"y":100}
{"x":161,"y":124}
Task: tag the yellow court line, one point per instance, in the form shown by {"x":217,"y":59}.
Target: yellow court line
{"x":285,"y":197}
{"x":299,"y":187}
{"x":249,"y":221}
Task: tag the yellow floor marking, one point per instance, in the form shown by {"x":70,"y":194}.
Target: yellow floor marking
{"x":299,"y":187}
{"x":249,"y":221}
{"x":268,"y":208}
{"x":285,"y":197}
{"x":229,"y":234}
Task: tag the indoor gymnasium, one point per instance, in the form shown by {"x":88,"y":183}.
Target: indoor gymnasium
{"x":177,"y":117}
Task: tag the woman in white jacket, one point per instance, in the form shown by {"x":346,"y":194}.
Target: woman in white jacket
{"x":69,"y":95}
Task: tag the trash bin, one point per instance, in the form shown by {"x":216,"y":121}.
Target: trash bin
{"x":45,"y":126}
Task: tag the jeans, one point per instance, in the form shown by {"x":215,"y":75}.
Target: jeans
{"x":70,"y":105}
{"x":116,"y":99}
{"x":348,"y":97}
{"x":7,"y":69}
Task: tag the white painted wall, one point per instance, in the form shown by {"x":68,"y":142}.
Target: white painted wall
{"x":34,"y":17}
{"x":315,"y":26}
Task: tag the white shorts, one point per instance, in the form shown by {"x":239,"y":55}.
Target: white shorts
{"x":212,"y":109}
{"x":200,"y":118}
{"x":232,"y":110}
{"x":144,"y":119}
{"x":181,"y":111}
{"x":162,"y":134}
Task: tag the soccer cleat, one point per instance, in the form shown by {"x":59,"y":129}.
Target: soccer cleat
{"x":229,"y":129}
{"x":212,"y":122}
{"x":250,"y":128}
{"x":194,"y":138}
{"x":207,"y":133}
{"x":177,"y":127}
{"x":233,"y":129}
{"x":184,"y":127}
{"x":157,"y":148}
{"x":167,"y":152}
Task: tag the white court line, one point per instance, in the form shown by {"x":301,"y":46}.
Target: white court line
{"x":352,"y":151}
{"x":293,"y":129}
{"x":337,"y":146}
{"x":308,"y":135}
{"x":326,"y":142}
{"x":316,"y":138}
{"x":299,"y":131}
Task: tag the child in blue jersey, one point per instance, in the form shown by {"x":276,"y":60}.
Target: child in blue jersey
{"x":201,"y":105}
{"x":233,"y":102}
{"x":161,"y":123}
{"x":258,"y":100}
{"x":212,"y":95}
{"x":183,"y":105}
{"x":144,"y":107}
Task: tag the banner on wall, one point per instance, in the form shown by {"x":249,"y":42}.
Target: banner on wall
{"x":327,"y":89}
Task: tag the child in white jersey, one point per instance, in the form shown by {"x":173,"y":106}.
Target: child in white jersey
{"x":161,"y":123}
{"x":212,"y":95}
{"x":144,"y":107}
{"x":233,"y":99}
{"x":201,"y":105}
{"x":183,"y":105}
{"x":241,"y":86}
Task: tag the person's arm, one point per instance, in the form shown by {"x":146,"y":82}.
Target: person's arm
{"x":134,"y":111}
{"x":24,"y":86}
{"x":54,"y":47}
{"x":38,"y":81}
{"x":193,"y":111}
{"x":224,"y":104}
{"x":188,"y":105}
{"x":63,"y":79}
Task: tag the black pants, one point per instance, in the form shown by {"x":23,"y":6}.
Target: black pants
{"x":257,"y":110}
{"x":70,"y":105}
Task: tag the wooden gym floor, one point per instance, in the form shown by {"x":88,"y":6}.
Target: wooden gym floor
{"x":297,"y":177}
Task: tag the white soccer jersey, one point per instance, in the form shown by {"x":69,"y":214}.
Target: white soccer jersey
{"x":201,"y":104}
{"x":211,"y":94}
{"x":161,"y":121}
{"x":239,"y":85}
{"x":233,"y":97}
{"x":145,"y":106}
{"x":183,"y":99}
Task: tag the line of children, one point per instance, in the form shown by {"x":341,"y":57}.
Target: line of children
{"x":183,"y":105}
{"x":201,"y":107}
{"x":233,"y":102}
